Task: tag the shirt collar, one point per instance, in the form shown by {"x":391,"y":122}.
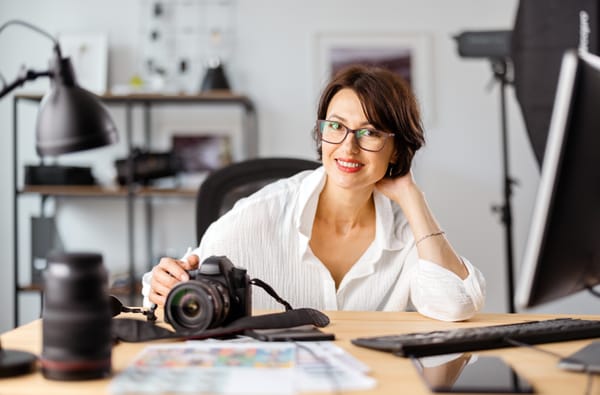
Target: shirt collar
{"x":308,"y":199}
{"x":387,"y":237}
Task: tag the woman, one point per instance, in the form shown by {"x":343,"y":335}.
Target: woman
{"x":354,"y":234}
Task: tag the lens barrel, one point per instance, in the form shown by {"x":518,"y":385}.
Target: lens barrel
{"x":76,"y":318}
{"x":196,"y":305}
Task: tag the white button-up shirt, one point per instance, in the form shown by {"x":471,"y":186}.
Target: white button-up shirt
{"x":268,"y":233}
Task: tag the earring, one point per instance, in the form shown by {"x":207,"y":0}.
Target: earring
{"x":391,"y":169}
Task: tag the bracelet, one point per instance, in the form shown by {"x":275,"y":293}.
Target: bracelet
{"x":441,"y":232}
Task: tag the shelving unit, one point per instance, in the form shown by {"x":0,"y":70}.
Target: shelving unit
{"x":131,"y":191}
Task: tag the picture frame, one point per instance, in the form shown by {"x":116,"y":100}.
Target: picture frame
{"x":89,"y":56}
{"x":408,"y":54}
{"x":201,"y":152}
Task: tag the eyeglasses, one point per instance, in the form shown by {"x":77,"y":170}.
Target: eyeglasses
{"x":368,"y":139}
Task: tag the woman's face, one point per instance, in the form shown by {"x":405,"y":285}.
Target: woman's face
{"x":347,"y":165}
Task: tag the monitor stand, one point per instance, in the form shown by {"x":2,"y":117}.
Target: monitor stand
{"x":587,"y":359}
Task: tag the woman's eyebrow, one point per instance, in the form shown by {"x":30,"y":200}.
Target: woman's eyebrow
{"x":334,"y":115}
{"x":343,"y":120}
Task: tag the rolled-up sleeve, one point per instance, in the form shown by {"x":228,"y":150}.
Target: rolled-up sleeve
{"x":439,"y":293}
{"x":146,"y":279}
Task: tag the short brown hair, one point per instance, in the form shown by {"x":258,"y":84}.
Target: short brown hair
{"x":389,"y":105}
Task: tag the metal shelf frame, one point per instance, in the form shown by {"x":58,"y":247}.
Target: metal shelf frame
{"x":131,"y":191}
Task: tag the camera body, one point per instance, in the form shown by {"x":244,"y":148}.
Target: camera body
{"x":216,"y":294}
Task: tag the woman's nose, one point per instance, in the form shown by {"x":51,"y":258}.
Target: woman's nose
{"x":351,"y":143}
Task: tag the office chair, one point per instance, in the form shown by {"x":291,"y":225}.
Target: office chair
{"x":222,"y":188}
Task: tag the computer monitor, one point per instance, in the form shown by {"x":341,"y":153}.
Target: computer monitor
{"x":562,"y":255}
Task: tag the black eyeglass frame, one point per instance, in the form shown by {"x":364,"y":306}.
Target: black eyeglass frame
{"x":354,"y":132}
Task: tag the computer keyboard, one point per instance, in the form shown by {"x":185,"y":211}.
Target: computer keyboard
{"x":482,"y":338}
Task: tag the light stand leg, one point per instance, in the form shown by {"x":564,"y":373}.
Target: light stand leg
{"x":499,"y":67}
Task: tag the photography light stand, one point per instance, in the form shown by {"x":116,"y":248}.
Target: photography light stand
{"x":500,"y":68}
{"x":495,"y":45}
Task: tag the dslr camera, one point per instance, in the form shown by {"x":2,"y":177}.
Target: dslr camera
{"x":216,"y":294}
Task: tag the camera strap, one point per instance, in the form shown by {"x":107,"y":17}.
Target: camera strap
{"x":135,"y":330}
{"x":268,"y":289}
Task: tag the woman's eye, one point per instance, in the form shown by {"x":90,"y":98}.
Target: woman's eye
{"x":375,"y":133}
{"x":334,"y":125}
{"x":366,"y":133}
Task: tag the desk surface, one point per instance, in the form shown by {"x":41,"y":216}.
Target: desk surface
{"x":394,"y":375}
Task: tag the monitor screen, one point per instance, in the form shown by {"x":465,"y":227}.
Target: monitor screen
{"x":562,"y":255}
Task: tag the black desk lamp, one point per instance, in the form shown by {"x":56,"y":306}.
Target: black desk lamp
{"x":70,"y":119}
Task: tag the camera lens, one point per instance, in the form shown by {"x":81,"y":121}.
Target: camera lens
{"x":76,"y":318}
{"x":193,"y":306}
{"x":190,"y":307}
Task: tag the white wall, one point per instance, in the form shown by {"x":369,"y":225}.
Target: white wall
{"x":275,"y":64}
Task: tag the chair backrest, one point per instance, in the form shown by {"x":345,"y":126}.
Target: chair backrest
{"x":222,"y":188}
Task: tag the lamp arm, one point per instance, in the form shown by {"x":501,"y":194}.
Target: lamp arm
{"x":25,"y":75}
{"x":32,"y":27}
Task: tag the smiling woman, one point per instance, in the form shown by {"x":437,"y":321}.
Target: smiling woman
{"x":343,"y":236}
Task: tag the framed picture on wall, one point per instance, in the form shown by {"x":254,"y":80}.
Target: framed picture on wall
{"x":409,"y":55}
{"x":89,"y":56}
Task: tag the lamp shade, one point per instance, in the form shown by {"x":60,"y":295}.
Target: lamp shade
{"x":71,"y":118}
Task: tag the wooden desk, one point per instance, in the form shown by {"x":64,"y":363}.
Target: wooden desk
{"x":394,"y":375}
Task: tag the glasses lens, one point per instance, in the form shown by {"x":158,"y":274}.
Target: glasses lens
{"x":370,"y":140}
{"x":332,"y":132}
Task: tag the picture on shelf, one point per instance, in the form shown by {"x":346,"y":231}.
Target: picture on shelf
{"x":201,"y":152}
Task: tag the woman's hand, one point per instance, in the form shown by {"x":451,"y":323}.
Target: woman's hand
{"x":398,"y":189}
{"x":168,"y":273}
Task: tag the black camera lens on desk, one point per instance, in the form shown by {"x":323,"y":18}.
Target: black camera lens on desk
{"x":76,"y":318}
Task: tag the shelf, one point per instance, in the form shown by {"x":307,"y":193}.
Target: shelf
{"x":120,"y":290}
{"x":104,"y":191}
{"x":30,"y":288}
{"x":125,"y":290}
{"x":214,"y":97}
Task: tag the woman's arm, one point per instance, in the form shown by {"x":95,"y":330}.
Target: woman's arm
{"x":431,"y":242}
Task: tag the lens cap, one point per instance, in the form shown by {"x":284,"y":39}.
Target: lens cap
{"x":15,"y":363}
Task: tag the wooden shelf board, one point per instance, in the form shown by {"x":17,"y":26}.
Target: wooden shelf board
{"x":220,"y":97}
{"x":118,"y":290}
{"x":100,"y":191}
